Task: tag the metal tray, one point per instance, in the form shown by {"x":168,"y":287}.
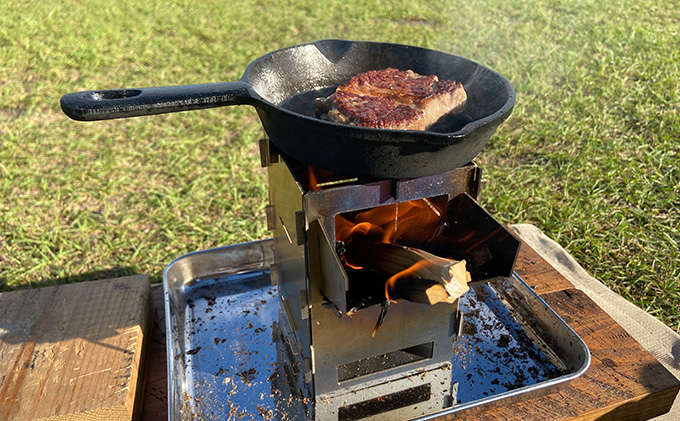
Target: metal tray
{"x":221,"y":308}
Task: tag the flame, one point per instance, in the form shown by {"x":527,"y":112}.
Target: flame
{"x":313,"y":182}
{"x":407,"y":222}
{"x":318,"y":179}
{"x":404,"y":274}
{"x":412,"y":222}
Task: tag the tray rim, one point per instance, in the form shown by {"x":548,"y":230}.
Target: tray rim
{"x":505,"y":397}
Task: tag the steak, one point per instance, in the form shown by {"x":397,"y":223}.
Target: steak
{"x":392,"y":99}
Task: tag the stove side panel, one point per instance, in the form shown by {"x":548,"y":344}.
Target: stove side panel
{"x":290,"y":268}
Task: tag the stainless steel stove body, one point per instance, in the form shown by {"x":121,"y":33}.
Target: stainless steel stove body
{"x":328,"y":313}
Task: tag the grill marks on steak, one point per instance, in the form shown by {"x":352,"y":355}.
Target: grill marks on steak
{"x":392,"y":99}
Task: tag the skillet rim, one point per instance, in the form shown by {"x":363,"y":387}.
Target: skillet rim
{"x":390,"y":135}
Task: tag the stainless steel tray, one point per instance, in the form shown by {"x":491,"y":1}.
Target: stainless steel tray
{"x":221,"y":308}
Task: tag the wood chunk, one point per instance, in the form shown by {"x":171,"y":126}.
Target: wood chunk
{"x":422,"y":291}
{"x":416,"y":275}
{"x":74,"y":351}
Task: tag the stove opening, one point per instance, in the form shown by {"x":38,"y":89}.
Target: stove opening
{"x":385,"y":403}
{"x":384,"y":362}
{"x":414,"y":223}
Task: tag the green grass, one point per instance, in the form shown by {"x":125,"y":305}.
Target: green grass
{"x":590,"y":154}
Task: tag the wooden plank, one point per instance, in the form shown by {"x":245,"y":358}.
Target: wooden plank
{"x":624,"y":381}
{"x":536,"y":272}
{"x":155,"y":403}
{"x":74,"y":351}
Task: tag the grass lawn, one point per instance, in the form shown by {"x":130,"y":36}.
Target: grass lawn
{"x":590,"y":153}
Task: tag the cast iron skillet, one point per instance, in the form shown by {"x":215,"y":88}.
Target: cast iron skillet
{"x":282,"y":86}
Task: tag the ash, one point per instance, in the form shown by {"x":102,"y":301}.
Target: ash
{"x":494,"y":354}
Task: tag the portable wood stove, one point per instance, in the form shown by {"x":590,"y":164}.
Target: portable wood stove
{"x":328,"y":312}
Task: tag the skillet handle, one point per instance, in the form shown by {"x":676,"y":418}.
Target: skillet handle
{"x":123,"y":103}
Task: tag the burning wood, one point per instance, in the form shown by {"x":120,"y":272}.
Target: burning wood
{"x":415,"y":275}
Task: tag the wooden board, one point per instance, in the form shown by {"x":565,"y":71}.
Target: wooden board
{"x":155,"y":402}
{"x":74,"y":351}
{"x":624,"y":381}
{"x":538,"y":274}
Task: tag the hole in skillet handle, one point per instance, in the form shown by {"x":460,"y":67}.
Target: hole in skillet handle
{"x":114,"y":94}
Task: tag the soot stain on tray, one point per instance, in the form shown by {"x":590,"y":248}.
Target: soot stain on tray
{"x":248,"y":376}
{"x":193,"y":351}
{"x":469,"y":329}
{"x":504,"y":340}
{"x":494,"y":354}
{"x":236,"y":321}
{"x":266,"y":414}
{"x":211,"y":300}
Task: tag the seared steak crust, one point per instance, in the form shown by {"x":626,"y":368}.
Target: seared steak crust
{"x":393,"y":99}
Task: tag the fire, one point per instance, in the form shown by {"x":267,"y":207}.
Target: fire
{"x":313,"y":182}
{"x":413,"y":222}
{"x":319,"y":179}
{"x":404,"y":274}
